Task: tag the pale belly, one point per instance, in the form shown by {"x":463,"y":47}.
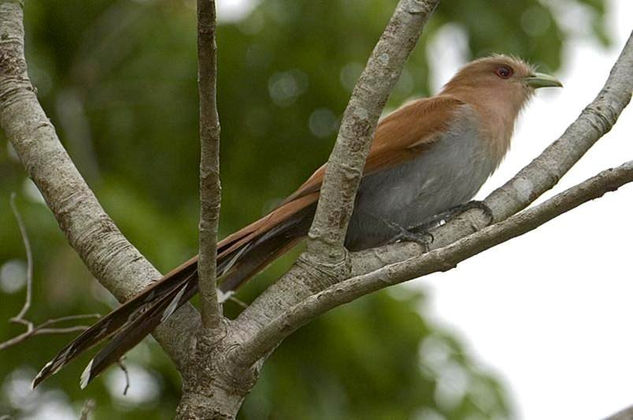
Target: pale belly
{"x":448,"y":174}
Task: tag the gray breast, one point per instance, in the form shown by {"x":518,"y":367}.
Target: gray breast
{"x":448,"y":174}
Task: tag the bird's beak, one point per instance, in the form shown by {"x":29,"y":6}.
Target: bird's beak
{"x":539,"y":80}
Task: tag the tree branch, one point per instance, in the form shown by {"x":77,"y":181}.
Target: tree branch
{"x":269,"y":319}
{"x":345,"y":165}
{"x":211,"y":311}
{"x":44,"y":328}
{"x":29,"y":261}
{"x":442,"y":259}
{"x":626,"y":414}
{"x":116,"y":263}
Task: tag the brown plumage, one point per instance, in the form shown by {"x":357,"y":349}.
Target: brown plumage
{"x":427,"y":156}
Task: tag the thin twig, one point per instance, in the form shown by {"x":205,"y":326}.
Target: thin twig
{"x":211,"y":310}
{"x":68,"y":318}
{"x":88,"y":407}
{"x":126,"y":373}
{"x":31,"y":329}
{"x":42,"y":329}
{"x":29,"y":260}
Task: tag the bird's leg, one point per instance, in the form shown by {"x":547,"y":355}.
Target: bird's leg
{"x":421,"y":234}
{"x":421,"y":237}
{"x":462,"y":208}
{"x":424,"y":239}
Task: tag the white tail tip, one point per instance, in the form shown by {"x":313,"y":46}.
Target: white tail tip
{"x":40,"y":374}
{"x":85,"y":376}
{"x":173,"y":305}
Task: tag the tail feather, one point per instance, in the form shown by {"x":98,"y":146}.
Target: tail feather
{"x":238,"y":260}
{"x":133,"y":309}
{"x":264,"y":250}
{"x":133,"y":332}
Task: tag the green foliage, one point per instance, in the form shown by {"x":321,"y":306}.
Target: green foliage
{"x":389,"y":363}
{"x":118,"y":80}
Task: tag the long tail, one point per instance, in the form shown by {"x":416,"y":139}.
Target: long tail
{"x":240,"y":257}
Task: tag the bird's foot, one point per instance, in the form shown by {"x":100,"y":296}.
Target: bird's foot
{"x":475,"y":204}
{"x":447,"y":215}
{"x":419,"y":236}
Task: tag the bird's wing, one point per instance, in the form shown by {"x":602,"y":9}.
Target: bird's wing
{"x":401,"y":136}
{"x":409,"y":131}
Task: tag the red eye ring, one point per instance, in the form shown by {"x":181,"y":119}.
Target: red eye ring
{"x":504,"y":72}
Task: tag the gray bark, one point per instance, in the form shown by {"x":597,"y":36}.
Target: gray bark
{"x":626,"y":414}
{"x":211,"y":310}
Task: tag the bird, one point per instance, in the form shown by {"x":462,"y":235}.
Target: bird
{"x":428,"y":156}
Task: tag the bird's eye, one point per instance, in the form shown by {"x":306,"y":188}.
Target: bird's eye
{"x":504,"y":72}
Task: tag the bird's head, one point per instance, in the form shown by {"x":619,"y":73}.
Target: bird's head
{"x":497,"y":87}
{"x":506,"y":80}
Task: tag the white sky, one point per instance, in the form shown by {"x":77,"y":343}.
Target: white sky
{"x":551,"y":311}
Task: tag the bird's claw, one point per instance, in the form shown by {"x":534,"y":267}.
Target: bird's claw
{"x":447,"y":215}
{"x":422,"y":238}
{"x":475,"y":204}
{"x":418,"y":233}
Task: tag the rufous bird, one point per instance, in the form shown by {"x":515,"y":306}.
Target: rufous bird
{"x":426,"y":157}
